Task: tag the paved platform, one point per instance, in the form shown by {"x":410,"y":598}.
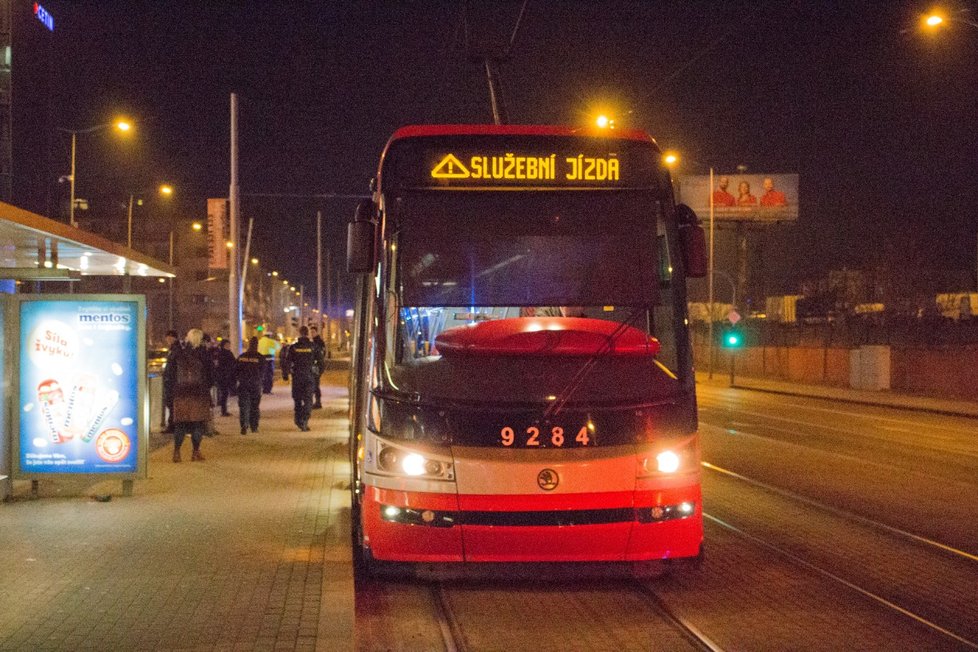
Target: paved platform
{"x":247,"y":550}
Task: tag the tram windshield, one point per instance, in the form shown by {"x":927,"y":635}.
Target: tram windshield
{"x":516,"y":298}
{"x":526,"y":249}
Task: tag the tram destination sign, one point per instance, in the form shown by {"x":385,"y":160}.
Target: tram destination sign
{"x":536,"y":163}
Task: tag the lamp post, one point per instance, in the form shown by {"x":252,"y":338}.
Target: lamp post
{"x":671,"y":160}
{"x":121,"y":125}
{"x":933,"y":22}
{"x":169,"y":320}
{"x":165,"y":190}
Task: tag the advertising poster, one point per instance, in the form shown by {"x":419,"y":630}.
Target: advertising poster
{"x":79,"y":386}
{"x":4,"y":391}
{"x":217,"y":233}
{"x":742,"y":197}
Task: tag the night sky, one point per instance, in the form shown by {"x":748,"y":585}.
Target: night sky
{"x":877,"y":118}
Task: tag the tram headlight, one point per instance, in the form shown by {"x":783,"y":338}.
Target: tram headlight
{"x":413,"y":464}
{"x":401,"y":461}
{"x":679,"y":457}
{"x":667,"y":462}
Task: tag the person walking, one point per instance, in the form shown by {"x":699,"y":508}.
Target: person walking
{"x":319,"y":362}
{"x":249,"y":368}
{"x":169,"y":379}
{"x":191,"y":394}
{"x":224,"y":376}
{"x":299,"y":365}
{"x":268,"y":346}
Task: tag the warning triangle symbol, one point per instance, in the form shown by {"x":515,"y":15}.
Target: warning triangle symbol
{"x":450,"y":168}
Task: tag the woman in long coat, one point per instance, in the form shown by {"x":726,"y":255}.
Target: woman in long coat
{"x":191,"y":394}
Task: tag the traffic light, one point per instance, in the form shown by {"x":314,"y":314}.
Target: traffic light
{"x":733,"y":338}
{"x":260,"y":329}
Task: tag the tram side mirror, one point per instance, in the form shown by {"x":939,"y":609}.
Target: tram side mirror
{"x":692,"y":240}
{"x":360,"y":236}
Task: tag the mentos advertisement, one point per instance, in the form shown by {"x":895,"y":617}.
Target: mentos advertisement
{"x":79,"y":386}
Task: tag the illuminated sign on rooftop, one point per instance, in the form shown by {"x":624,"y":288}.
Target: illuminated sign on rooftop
{"x":44,"y":16}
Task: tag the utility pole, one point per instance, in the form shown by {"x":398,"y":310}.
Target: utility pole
{"x":319,"y":272}
{"x":234,"y":294}
{"x":169,"y":321}
{"x":329,"y":297}
{"x":709,"y":342}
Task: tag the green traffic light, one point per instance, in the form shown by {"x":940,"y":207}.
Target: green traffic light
{"x":733,"y":340}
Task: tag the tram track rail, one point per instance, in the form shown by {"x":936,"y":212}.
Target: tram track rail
{"x":689,"y":632}
{"x":448,"y":624}
{"x":454,"y":639}
{"x":797,"y":560}
{"x":967,"y":559}
{"x":843,"y":513}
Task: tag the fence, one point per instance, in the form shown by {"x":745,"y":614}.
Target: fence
{"x":942,"y":362}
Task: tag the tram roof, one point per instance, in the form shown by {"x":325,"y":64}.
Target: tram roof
{"x":27,"y":240}
{"x":414,"y":131}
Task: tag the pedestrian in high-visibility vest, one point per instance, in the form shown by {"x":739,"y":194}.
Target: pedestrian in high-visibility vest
{"x":268,"y":347}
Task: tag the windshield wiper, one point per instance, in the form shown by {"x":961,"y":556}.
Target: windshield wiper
{"x":554,"y":408}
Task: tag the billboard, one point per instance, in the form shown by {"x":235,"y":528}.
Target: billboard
{"x":742,"y":197}
{"x":79,"y":385}
{"x":217,"y":233}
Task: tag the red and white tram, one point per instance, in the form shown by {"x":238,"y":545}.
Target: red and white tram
{"x":522,"y":385}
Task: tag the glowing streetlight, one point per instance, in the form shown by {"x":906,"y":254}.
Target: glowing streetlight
{"x":197,"y":226}
{"x":670,"y":159}
{"x":254,"y":261}
{"x":121,"y":125}
{"x":165,"y":191}
{"x":603,"y":122}
{"x":938,"y":20}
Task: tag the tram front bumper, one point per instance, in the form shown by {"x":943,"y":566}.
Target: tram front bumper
{"x":612,"y":527}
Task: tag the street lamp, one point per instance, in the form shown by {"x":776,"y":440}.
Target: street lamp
{"x":123,"y":126}
{"x":165,"y":190}
{"x":936,"y":20}
{"x":671,"y":160}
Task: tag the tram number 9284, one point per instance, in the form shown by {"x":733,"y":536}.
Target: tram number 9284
{"x":554,"y":437}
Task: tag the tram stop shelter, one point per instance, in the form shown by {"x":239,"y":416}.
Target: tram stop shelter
{"x":37,"y":249}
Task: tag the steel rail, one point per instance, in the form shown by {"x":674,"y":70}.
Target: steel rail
{"x":689,"y":631}
{"x":842,"y":512}
{"x":451,"y":633}
{"x":824,"y":573}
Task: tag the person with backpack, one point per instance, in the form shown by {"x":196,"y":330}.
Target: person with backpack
{"x":191,"y":394}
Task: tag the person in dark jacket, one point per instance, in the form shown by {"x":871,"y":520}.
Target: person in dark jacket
{"x":191,"y":394}
{"x":300,"y":364}
{"x":249,"y":373}
{"x":169,"y":377}
{"x":319,"y":359}
{"x":224,"y":372}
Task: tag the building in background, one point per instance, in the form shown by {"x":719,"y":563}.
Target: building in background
{"x":28,"y":45}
